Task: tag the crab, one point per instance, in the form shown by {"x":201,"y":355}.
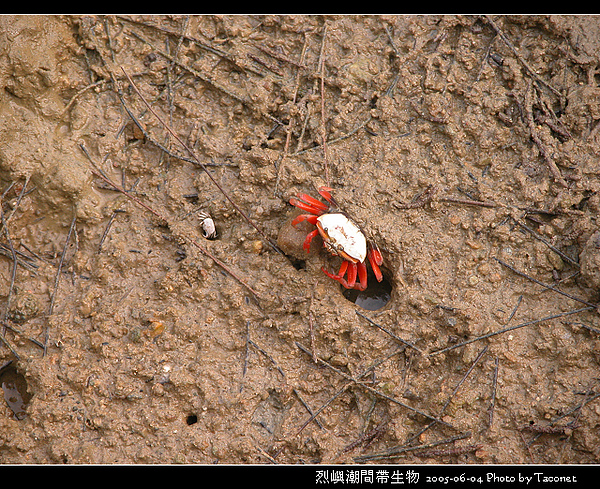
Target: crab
{"x":341,"y":237}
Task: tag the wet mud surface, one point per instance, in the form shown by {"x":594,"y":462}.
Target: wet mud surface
{"x":466,"y":147}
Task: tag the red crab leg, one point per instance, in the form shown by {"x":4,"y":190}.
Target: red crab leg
{"x":343,"y":268}
{"x":309,"y":204}
{"x":341,"y":280}
{"x":324,"y":191}
{"x":309,"y":238}
{"x":305,"y":207}
{"x":376,"y":254}
{"x":348,"y":266}
{"x":360,"y":269}
{"x":305,"y":217}
{"x":314,"y":202}
{"x":362,"y":275}
{"x":375,"y":259}
{"x":340,"y":274}
{"x":351,"y":275}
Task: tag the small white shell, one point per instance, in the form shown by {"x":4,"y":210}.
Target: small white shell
{"x":344,"y":235}
{"x":209,"y":230}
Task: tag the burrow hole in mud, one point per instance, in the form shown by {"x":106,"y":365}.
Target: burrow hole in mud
{"x":375,"y":296}
{"x":191,"y":419}
{"x":14,"y":388}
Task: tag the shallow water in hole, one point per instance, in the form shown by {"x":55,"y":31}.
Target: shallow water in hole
{"x":375,"y":296}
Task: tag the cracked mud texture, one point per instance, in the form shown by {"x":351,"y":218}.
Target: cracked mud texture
{"x":155,"y":354}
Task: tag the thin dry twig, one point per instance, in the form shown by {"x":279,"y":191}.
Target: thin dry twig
{"x":369,"y":437}
{"x":575,"y":422}
{"x":451,"y":396}
{"x":308,"y":408}
{"x":13,"y":254}
{"x":449,"y":452}
{"x":9,"y":346}
{"x":464,"y":378}
{"x":420,"y":200}
{"x":346,"y":385}
{"x":536,"y":138}
{"x":311,"y":325}
{"x":378,"y":393}
{"x":246,"y":353}
{"x":56,"y":281}
{"x":494,"y":390}
{"x":313,"y":415}
{"x":7,"y":325}
{"x":559,"y":429}
{"x":398,"y":451}
{"x":19,"y":198}
{"x":546,"y":286}
{"x":288,"y":135}
{"x":385,"y":330}
{"x":525,"y":65}
{"x":514,"y":311}
{"x":512,"y":328}
{"x":456,"y":200}
{"x":14,"y":261}
{"x":267,"y":355}
{"x":79,"y":93}
{"x":203,"y":44}
{"x":323,"y":130}
{"x":546,"y":242}
{"x":176,"y":137}
{"x":107,"y":228}
{"x":60,"y":265}
{"x":23,"y":260}
{"x":350,"y":133}
{"x":529,"y":102}
{"x":205,"y":77}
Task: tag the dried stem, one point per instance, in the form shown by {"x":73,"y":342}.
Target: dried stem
{"x":512,"y":328}
{"x":546,"y":286}
{"x":358,"y":382}
{"x":397,"y":338}
{"x":56,"y":281}
{"x":396,"y":452}
{"x":323,"y":131}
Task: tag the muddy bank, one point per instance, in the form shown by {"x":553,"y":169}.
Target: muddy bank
{"x":467,"y":149}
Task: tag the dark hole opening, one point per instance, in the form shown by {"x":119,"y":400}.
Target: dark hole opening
{"x":191,"y":419}
{"x":14,"y":387}
{"x":298,"y":264}
{"x":375,"y":296}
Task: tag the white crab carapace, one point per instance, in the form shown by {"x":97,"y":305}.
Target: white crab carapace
{"x":344,"y":235}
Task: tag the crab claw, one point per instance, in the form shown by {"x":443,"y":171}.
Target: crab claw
{"x":325,"y":193}
{"x":305,"y":217}
{"x":308,"y":240}
{"x":375,"y":259}
{"x":309,"y":204}
{"x":378,"y":258}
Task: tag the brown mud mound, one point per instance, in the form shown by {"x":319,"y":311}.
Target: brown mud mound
{"x":467,"y":148}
